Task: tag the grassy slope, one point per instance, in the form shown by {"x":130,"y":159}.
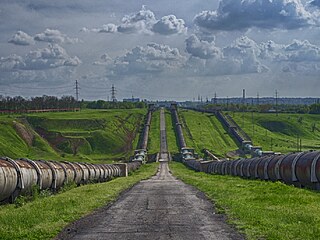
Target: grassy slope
{"x":154,"y":135}
{"x":260,"y":209}
{"x":106,"y":134}
{"x":12,"y":145}
{"x":283,"y":129}
{"x":171,"y":137}
{"x":45,"y":217}
{"x":205,"y":131}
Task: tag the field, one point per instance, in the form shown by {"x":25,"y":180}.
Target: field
{"x":202,"y":130}
{"x":260,"y":209}
{"x":89,"y":135}
{"x":280,"y":133}
{"x":45,"y":217}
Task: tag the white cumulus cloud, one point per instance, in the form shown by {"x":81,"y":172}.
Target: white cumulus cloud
{"x":53,"y":56}
{"x":144,"y":21}
{"x":54,"y":36}
{"x":269,"y":14}
{"x":141,"y":21}
{"x":152,"y":59}
{"x":170,"y":25}
{"x":21,"y":38}
{"x":202,"y":49}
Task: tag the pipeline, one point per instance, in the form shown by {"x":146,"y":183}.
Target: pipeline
{"x":301,"y":169}
{"x":187,"y":154}
{"x":18,"y":177}
{"x":175,"y":117}
{"x":140,"y":154}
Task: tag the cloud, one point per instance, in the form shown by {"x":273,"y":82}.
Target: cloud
{"x":141,"y":21}
{"x":169,"y":25}
{"x":237,"y":15}
{"x":202,"y":49}
{"x":54,"y":36}
{"x":21,"y":38}
{"x":152,"y":59}
{"x":144,"y":21}
{"x":53,"y":56}
{"x":301,"y":51}
{"x":108,"y":28}
{"x":315,"y":3}
{"x":12,"y":62}
{"x":238,"y":58}
{"x":105,"y":60}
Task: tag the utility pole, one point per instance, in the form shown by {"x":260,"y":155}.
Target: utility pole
{"x":215,"y":98}
{"x":258,"y":98}
{"x":113,"y":94}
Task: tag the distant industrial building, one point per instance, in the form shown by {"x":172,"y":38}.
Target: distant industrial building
{"x":133,"y":100}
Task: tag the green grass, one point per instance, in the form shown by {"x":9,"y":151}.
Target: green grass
{"x":45,"y":217}
{"x":260,"y":209}
{"x":172,"y":143}
{"x":12,"y":145}
{"x":205,"y":131}
{"x":279,"y":133}
{"x":103,"y":135}
{"x":154,"y":134}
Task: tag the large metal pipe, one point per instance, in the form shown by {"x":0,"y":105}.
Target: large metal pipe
{"x":301,"y":169}
{"x":18,"y":177}
{"x":181,"y":140}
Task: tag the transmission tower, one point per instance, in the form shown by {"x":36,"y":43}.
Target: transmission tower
{"x":113,"y":94}
{"x":277,"y":102}
{"x":77,"y":90}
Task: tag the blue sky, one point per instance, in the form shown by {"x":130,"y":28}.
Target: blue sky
{"x":171,"y":50}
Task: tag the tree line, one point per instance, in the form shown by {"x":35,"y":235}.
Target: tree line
{"x":19,"y":103}
{"x":285,"y":108}
{"x":100,"y":104}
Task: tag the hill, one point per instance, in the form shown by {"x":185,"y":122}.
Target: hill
{"x":202,"y":130}
{"x":91,"y":135}
{"x":280,"y":132}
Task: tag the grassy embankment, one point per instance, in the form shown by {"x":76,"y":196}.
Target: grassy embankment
{"x":45,"y":217}
{"x":89,"y":135}
{"x":202,"y":130}
{"x":280,"y":133}
{"x":173,"y":146}
{"x":259,"y":209}
{"x":154,"y":134}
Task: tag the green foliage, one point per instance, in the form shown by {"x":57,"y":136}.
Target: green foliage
{"x":315,"y":108}
{"x":259,"y":209}
{"x":45,"y":217}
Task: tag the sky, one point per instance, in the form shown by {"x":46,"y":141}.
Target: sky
{"x":160,"y":50}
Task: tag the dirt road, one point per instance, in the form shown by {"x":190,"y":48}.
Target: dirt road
{"x":159,"y":208}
